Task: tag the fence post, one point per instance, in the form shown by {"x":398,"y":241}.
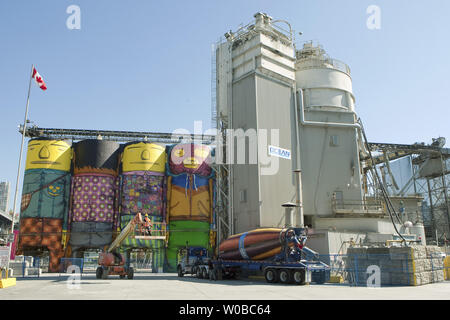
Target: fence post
{"x":407,"y":268}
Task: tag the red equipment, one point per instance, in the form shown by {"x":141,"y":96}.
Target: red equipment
{"x":113,"y":263}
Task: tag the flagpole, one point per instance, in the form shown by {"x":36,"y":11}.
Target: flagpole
{"x":18,"y":169}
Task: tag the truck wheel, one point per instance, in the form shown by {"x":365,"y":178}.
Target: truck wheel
{"x":130,"y":274}
{"x":105,"y":273}
{"x":271,"y":275}
{"x":99,"y":273}
{"x":299,"y":277}
{"x":180,"y":271}
{"x":199,"y":273}
{"x":122,"y":276}
{"x":284,"y":276}
{"x":204,"y":273}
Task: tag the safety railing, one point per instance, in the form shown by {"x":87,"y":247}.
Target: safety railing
{"x":325,"y":62}
{"x":154,"y":231}
{"x":356,"y":207}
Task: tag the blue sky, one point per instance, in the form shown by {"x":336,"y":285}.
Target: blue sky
{"x":146,"y":65}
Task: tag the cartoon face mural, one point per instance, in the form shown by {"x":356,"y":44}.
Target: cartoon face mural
{"x":190,"y":158}
{"x":45,"y":194}
{"x":54,"y":190}
{"x":144,"y":157}
{"x":190,"y":198}
{"x":48,"y":154}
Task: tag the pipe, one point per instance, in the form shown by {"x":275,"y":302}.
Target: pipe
{"x":298,"y":191}
{"x":300,"y":217}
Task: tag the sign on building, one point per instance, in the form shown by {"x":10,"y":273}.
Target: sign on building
{"x":279,"y":152}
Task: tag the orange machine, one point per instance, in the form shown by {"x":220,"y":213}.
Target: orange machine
{"x":113,"y":263}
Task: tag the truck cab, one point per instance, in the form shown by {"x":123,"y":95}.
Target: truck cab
{"x":193,"y":260}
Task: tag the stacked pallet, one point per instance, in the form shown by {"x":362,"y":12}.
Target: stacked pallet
{"x":412,"y":266}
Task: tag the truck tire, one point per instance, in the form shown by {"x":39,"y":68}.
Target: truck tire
{"x":180,"y":271}
{"x":99,"y":273}
{"x":105,"y":273}
{"x":199,"y":273}
{"x":298,"y":276}
{"x":271,"y":275}
{"x":204,"y":273}
{"x":285,"y":276}
{"x":121,"y":276}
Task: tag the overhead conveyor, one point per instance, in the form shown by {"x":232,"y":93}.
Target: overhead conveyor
{"x":120,"y":136}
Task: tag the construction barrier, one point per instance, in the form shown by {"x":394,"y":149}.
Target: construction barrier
{"x":26,"y":266}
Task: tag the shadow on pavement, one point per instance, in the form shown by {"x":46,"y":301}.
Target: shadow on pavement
{"x":164,"y":276}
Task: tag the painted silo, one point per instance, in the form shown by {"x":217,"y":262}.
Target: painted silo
{"x":143,"y":190}
{"x":45,"y":199}
{"x":190,"y":199}
{"x":94,"y":205}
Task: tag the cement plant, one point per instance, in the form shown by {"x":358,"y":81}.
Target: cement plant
{"x":288,"y":193}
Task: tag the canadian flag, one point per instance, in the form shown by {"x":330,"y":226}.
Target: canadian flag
{"x":37,"y":77}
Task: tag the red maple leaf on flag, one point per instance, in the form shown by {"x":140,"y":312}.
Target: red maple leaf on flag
{"x":37,"y":77}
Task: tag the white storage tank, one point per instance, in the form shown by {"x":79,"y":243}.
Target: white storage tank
{"x":326,"y":82}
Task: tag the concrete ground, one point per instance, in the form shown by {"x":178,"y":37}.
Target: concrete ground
{"x":167,"y":286}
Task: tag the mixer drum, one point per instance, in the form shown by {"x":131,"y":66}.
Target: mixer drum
{"x":258,"y":244}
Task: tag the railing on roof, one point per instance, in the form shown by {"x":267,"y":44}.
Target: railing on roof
{"x":311,"y":63}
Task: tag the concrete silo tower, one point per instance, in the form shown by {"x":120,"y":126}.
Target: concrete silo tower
{"x":329,"y":134}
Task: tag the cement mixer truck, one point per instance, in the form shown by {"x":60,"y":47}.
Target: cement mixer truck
{"x":280,"y":255}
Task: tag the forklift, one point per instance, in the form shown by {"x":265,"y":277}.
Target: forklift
{"x":111,"y":262}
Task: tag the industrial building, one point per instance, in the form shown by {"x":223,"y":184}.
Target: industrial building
{"x":334,"y":176}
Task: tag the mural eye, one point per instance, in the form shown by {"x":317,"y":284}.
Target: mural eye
{"x":179,"y":153}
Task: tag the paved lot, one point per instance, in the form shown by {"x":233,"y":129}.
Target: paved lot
{"x":169,"y":287}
